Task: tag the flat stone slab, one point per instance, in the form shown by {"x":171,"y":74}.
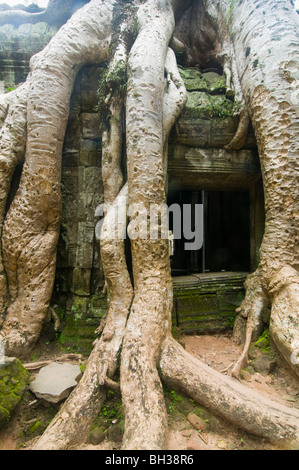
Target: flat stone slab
{"x":55,"y":382}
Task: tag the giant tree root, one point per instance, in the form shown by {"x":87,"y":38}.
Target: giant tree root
{"x":222,"y":395}
{"x":284,"y":327}
{"x":251,"y":309}
{"x":86,"y":401}
{"x":13,"y":107}
{"x":227,"y":397}
{"x":31,"y":227}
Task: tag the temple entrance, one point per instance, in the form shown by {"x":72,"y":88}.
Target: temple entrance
{"x":225,"y":232}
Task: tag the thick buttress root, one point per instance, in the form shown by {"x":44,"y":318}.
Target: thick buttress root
{"x":85,"y":402}
{"x":283,"y":296}
{"x":251,"y":309}
{"x":284,"y":327}
{"x":31,"y":227}
{"x":155,"y":97}
{"x":227,"y":397}
{"x":13,"y":118}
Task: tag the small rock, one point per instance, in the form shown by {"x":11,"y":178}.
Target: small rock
{"x":258,"y":378}
{"x":197,"y":422}
{"x":115,"y":433}
{"x":55,"y":382}
{"x":254,"y":352}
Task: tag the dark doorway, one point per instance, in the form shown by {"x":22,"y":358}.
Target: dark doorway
{"x":226,"y":232}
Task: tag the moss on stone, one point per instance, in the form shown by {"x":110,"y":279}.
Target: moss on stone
{"x":210,"y":82}
{"x":205,"y":106}
{"x":13,"y":382}
{"x":81,"y":322}
{"x":206,"y":97}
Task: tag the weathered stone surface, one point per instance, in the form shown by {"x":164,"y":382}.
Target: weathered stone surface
{"x":207,"y":302}
{"x":264,"y":365}
{"x":205,"y":106}
{"x":210,"y":82}
{"x":54,"y":382}
{"x":13,"y":382}
{"x":211,"y":168}
{"x":210,"y":118}
{"x":17,"y":45}
{"x":97,"y":435}
{"x":91,"y":126}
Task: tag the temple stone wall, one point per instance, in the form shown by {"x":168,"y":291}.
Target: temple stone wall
{"x":79,"y":277}
{"x":17,"y":45}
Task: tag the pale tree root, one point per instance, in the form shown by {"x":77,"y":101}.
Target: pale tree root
{"x":150,"y":62}
{"x":13,"y":118}
{"x":228,"y":398}
{"x":284,"y":325}
{"x":83,"y":405}
{"x":240,"y":137}
{"x":233,"y":89}
{"x":31,"y":227}
{"x":282,"y":294}
{"x":115,"y":265}
{"x":250,"y":309}
{"x":112,"y":140}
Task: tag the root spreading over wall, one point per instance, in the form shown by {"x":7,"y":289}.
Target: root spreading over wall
{"x":136,"y":337}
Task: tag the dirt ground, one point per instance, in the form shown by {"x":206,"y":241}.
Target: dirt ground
{"x":191,"y":427}
{"x":220,"y":352}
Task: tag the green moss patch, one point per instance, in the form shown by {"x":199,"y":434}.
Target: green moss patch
{"x":13,"y":382}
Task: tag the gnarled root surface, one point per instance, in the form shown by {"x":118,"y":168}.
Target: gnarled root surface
{"x":227,"y":397}
{"x":138,"y":322}
{"x":251,"y":310}
{"x":31,"y":227}
{"x":284,"y":324}
{"x":222,"y":395}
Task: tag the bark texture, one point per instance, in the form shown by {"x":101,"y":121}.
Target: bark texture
{"x":136,"y":336}
{"x":227,"y":397}
{"x":265,"y":37}
{"x":31,"y":227}
{"x":148,"y":126}
{"x":13,"y":142}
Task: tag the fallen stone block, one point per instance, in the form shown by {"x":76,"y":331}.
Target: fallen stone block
{"x":55,"y":382}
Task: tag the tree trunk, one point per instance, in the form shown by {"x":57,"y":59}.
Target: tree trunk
{"x":265,"y":37}
{"x":31,"y":228}
{"x":139,"y":316}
